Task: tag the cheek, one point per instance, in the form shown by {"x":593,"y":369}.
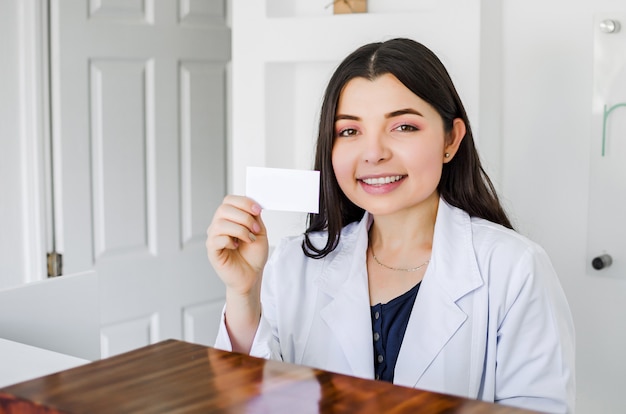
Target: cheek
{"x":342,"y":166}
{"x":424,"y":162}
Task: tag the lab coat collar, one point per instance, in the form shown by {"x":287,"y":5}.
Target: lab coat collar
{"x":344,"y":279}
{"x":435,"y":316}
{"x":452,"y":273}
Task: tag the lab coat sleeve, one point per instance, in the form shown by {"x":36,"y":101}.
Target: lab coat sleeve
{"x":265,"y":343}
{"x":223,"y":340}
{"x":535,"y":340}
{"x":261,"y":345}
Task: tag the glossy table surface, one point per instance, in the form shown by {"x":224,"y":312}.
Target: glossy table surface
{"x":179,"y":377}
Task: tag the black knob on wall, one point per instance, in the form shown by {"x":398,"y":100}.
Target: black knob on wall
{"x":601,"y":262}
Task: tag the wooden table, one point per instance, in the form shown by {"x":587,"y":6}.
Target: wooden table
{"x":179,"y":377}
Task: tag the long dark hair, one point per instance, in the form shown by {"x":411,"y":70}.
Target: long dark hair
{"x":464,"y":183}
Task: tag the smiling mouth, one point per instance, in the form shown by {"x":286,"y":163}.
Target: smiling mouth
{"x":382,"y":180}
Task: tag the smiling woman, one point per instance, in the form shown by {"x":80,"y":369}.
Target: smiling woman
{"x":453,"y":300}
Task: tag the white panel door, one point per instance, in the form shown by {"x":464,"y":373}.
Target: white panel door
{"x":138,"y":120}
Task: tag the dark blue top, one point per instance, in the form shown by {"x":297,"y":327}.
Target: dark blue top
{"x":389,"y":323}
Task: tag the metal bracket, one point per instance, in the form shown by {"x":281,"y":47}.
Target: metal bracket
{"x":55,"y":264}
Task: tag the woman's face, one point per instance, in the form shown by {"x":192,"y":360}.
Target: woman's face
{"x":389,"y":145}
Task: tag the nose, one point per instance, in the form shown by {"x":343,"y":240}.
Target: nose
{"x":375,"y":148}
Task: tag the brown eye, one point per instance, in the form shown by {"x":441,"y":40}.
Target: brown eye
{"x":406,"y":128}
{"x":347,"y":132}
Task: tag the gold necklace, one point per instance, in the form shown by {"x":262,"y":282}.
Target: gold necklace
{"x":410,"y":269}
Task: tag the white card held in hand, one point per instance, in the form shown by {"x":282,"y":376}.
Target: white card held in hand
{"x":284,"y":189}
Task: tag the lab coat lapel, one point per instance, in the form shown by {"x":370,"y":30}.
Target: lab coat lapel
{"x":436,"y":316}
{"x":347,"y":314}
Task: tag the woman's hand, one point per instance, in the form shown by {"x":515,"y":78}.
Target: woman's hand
{"x":237,"y":243}
{"x":237,"y":247}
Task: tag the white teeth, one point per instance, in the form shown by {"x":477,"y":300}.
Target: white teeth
{"x":382,"y":180}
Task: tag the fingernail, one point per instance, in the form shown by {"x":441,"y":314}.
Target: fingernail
{"x":252,"y":236}
{"x":256,"y":209}
{"x":256,"y":228}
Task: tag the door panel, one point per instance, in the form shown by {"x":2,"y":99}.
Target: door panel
{"x":124,"y":335}
{"x":202,"y":145}
{"x":196,"y":320}
{"x":120,"y":184}
{"x":139,"y":132}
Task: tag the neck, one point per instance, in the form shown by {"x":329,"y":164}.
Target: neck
{"x":404,"y":231}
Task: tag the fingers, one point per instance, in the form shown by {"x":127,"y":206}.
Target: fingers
{"x":241,"y":211}
{"x":235,"y":226}
{"x":220,"y":242}
{"x":243,"y":203}
{"x":236,"y":219}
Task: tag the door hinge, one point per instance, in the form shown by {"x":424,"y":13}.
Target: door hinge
{"x":55,"y":264}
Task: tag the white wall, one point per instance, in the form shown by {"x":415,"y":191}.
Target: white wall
{"x":11,"y":207}
{"x":548,"y":62}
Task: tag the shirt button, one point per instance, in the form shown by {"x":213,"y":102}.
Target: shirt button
{"x":376,"y":336}
{"x":377,"y":315}
{"x":380,"y":359}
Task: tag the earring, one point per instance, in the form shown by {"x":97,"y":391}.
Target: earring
{"x":447,"y":155}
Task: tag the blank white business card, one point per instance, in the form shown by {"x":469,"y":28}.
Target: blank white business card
{"x":284,"y":189}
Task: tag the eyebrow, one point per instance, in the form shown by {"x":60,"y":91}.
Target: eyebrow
{"x":348,"y":117}
{"x":392,"y":114}
{"x":403,"y":112}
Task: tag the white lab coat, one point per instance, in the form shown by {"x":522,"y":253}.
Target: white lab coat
{"x":490,"y":321}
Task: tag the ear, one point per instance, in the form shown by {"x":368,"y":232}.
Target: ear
{"x":453,"y":139}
